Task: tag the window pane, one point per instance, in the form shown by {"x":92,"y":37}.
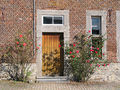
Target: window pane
{"x":97,"y":43}
{"x":96,"y":25}
{"x":47,"y":20}
{"x":58,"y":20}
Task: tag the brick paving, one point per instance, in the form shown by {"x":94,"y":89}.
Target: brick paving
{"x":10,"y":85}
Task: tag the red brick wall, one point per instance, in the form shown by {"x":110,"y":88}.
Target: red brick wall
{"x":78,"y":9}
{"x":17,"y":16}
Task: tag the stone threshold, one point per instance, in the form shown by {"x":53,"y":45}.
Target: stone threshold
{"x":52,"y":79}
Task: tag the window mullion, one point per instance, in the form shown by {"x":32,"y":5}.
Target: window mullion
{"x":52,"y":19}
{"x":62,"y":20}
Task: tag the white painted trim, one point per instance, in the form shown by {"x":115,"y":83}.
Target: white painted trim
{"x":118,"y":34}
{"x":50,"y":28}
{"x":103,"y":14}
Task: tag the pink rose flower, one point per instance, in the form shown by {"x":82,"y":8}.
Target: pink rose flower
{"x":96,"y":52}
{"x":73,"y":56}
{"x":17,"y":42}
{"x":88,"y":61}
{"x":70,"y":52}
{"x":97,"y":48}
{"x":91,"y":50}
{"x":59,"y":45}
{"x":99,"y":55}
{"x":98,"y":65}
{"x":103,"y":64}
{"x":38,"y":47}
{"x":77,"y":51}
{"x":74,"y":45}
{"x":89,"y":31}
{"x":90,"y":64}
{"x":20,"y":36}
{"x":24,"y":44}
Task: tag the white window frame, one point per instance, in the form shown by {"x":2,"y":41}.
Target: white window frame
{"x":103,"y":14}
{"x":53,"y":19}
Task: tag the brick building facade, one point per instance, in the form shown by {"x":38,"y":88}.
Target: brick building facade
{"x":17,"y":16}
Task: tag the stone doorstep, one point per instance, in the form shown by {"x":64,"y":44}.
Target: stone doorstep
{"x":52,"y":79}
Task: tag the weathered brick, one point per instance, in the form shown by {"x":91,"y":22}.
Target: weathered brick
{"x":18,"y":17}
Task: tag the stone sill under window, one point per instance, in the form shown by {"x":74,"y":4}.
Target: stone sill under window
{"x":96,"y":35}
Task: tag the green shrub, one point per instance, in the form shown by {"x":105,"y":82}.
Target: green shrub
{"x":19,"y":55}
{"x":84,"y":55}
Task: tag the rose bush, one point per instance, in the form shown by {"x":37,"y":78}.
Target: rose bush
{"x":19,"y":55}
{"x":84,"y":56}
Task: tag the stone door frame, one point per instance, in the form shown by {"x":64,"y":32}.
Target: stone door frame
{"x":50,"y":29}
{"x":118,"y":34}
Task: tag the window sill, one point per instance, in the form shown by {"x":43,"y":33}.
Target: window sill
{"x":96,"y":35}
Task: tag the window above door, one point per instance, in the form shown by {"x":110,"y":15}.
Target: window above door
{"x":52,"y":20}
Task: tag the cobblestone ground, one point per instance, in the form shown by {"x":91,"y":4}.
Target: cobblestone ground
{"x":10,"y":85}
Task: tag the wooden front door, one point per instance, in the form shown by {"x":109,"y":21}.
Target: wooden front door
{"x":52,"y":54}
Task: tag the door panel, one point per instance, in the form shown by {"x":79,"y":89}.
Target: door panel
{"x":52,"y":54}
